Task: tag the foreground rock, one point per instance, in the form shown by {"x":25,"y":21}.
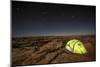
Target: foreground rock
{"x":52,"y":51}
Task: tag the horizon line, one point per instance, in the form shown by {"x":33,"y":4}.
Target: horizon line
{"x":51,"y":35}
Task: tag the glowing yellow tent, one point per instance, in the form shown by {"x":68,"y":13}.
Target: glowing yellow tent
{"x":76,"y":46}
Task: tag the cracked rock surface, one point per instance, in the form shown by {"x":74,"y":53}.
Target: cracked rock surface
{"x":49,"y":50}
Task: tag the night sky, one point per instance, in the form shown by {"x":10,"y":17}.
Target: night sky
{"x":43,"y":19}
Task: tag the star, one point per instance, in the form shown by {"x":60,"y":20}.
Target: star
{"x":62,"y":14}
{"x":44,"y":13}
{"x":17,"y":8}
{"x":73,"y":16}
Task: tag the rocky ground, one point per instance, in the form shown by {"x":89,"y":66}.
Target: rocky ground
{"x":49,"y":50}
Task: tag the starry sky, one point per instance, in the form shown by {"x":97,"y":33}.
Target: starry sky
{"x":46,"y":19}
